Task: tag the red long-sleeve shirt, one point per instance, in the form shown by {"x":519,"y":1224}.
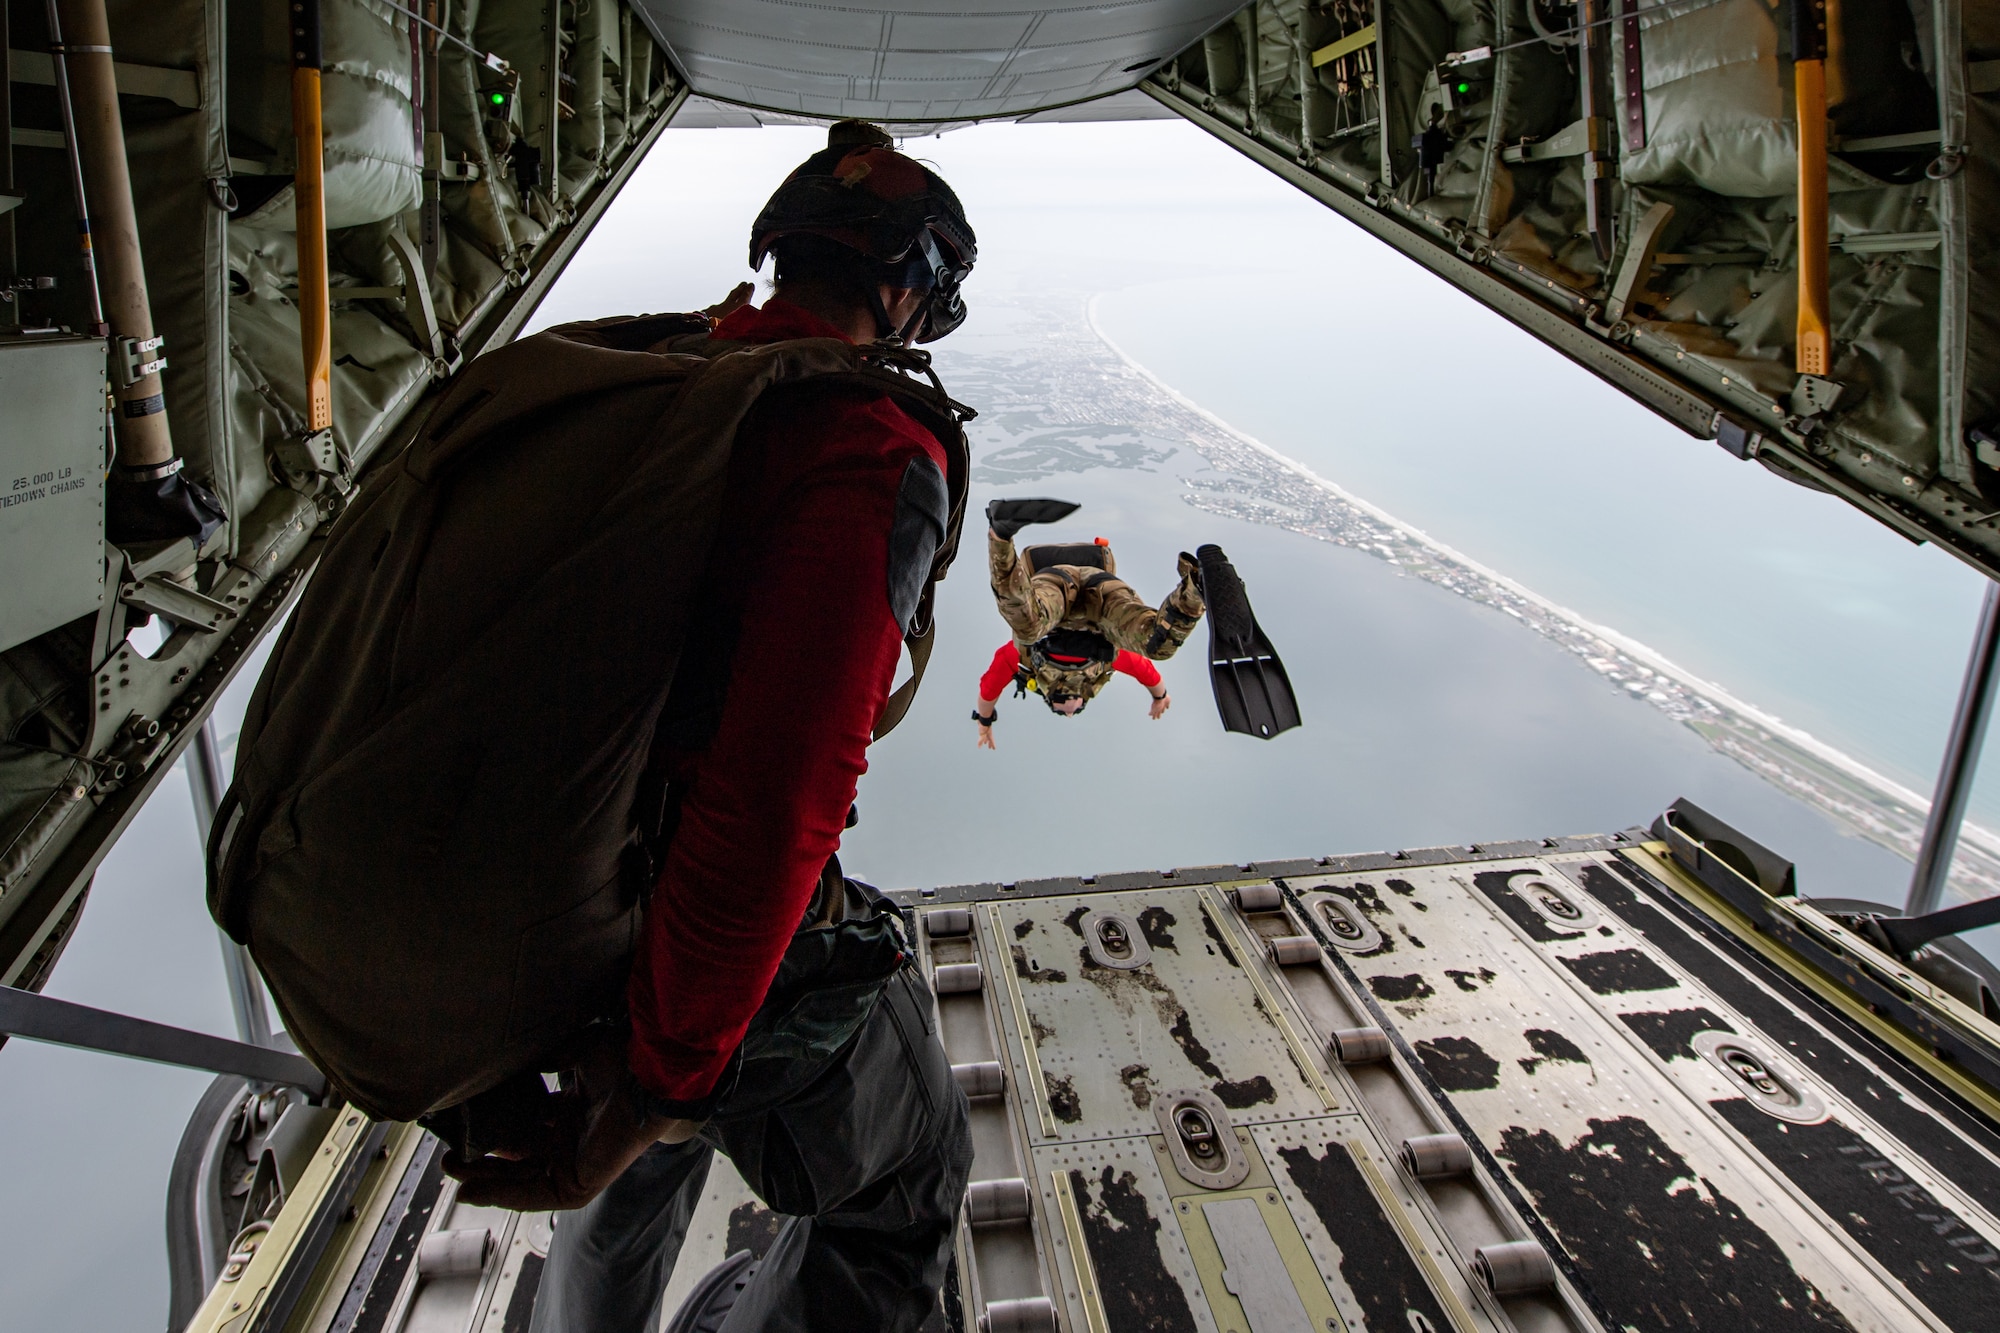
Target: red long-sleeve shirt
{"x":1007,"y":660}
{"x":801,"y":569}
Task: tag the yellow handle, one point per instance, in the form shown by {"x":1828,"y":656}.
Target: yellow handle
{"x":1815,"y":342}
{"x":315,"y":302}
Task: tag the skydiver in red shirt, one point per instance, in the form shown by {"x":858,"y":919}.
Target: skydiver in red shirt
{"x":750,"y":1032}
{"x":1076,"y":623}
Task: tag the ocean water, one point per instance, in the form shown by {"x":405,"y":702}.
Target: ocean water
{"x":1430,"y":719}
{"x":1435,"y":410}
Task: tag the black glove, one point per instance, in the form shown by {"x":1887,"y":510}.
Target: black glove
{"x":586,"y":1138}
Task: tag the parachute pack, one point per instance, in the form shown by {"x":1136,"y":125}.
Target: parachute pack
{"x":437,"y":839}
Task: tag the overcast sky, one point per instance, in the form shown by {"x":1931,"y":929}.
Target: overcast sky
{"x":1078,"y":206}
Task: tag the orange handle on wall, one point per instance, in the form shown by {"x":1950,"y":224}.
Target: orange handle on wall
{"x":1814,"y":347}
{"x":309,"y":200}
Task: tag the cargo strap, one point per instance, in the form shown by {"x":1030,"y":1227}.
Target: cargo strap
{"x":1908,"y":934}
{"x":919,"y":642}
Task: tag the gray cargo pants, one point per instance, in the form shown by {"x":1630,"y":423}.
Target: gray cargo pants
{"x":865,"y":1150}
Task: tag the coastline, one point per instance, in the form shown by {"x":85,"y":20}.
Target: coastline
{"x":1860,"y":799}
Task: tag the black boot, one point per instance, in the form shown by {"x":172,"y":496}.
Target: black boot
{"x":714,"y":1296}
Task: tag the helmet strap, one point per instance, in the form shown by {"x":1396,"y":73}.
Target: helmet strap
{"x":942,"y":283}
{"x":884,"y":326}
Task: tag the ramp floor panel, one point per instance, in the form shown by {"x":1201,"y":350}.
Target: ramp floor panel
{"x":1703,"y":1146}
{"x":1545,"y":1088}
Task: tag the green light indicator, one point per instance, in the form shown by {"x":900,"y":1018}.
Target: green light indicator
{"x":499,"y":99}
{"x":1465,"y":87}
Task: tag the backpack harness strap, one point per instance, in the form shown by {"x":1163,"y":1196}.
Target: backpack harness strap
{"x":920,"y":644}
{"x":1073,"y":647}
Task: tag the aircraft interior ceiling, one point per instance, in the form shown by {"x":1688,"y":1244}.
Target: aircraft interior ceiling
{"x":923,"y":62}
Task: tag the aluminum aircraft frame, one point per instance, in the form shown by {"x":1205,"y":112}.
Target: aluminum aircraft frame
{"x":1770,"y":223}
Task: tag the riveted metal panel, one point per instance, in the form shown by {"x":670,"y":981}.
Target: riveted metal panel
{"x":1102,"y":1042}
{"x":51,"y":484}
{"x":1568,"y":1049}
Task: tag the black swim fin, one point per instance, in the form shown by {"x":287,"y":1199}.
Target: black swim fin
{"x":1007,"y":517}
{"x":1252,"y":691}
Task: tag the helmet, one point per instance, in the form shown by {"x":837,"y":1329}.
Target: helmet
{"x":1055,"y":699}
{"x":860,"y":193}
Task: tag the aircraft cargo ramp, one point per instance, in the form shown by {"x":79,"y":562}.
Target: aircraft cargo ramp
{"x":1586,"y":1083}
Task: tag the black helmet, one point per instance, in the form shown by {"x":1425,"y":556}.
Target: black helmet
{"x":860,"y":193}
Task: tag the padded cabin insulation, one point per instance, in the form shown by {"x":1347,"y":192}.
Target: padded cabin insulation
{"x":1718,"y":107}
{"x":374,"y":165}
{"x":1697,"y":315}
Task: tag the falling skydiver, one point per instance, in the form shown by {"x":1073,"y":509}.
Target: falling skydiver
{"x":1075,"y":622}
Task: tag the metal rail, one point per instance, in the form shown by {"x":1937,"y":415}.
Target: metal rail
{"x":246,"y":989}
{"x":1961,"y":762}
{"x":23,"y":1013}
